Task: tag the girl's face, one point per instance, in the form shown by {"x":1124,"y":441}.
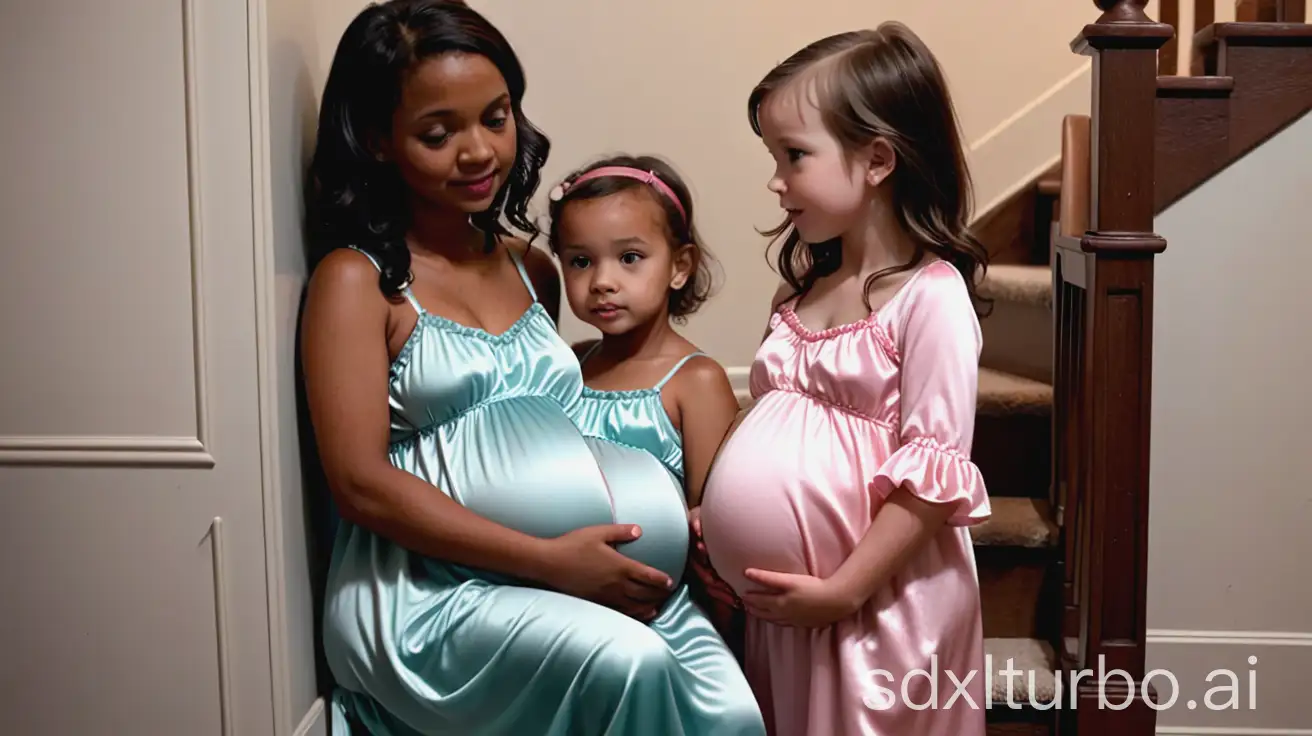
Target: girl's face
{"x":619,"y":264}
{"x":822,"y":189}
{"x":453,"y":133}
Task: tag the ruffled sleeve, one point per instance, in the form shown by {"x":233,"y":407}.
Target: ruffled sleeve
{"x":939,"y":346}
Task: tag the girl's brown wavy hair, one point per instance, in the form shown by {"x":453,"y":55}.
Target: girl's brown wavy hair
{"x":884,"y":83}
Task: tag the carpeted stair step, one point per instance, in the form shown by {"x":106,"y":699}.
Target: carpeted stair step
{"x":1032,"y":665}
{"x":1012,"y":445}
{"x":1018,"y":728}
{"x":1016,"y":552}
{"x":1018,"y":330}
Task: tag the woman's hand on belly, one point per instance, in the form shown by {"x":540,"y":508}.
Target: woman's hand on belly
{"x":583,"y":564}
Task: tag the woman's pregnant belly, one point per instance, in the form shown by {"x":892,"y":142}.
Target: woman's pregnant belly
{"x":523,"y":463}
{"x":788,"y":490}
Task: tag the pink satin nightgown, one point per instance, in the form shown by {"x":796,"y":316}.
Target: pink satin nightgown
{"x":844,"y":416}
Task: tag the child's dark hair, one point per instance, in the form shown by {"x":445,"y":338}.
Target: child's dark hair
{"x":678,"y":217}
{"x":885,"y":83}
{"x":355,"y":199}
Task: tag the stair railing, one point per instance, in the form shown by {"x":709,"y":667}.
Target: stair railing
{"x":1205,"y":12}
{"x":1102,"y":258}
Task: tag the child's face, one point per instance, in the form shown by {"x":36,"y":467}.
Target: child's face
{"x":619,"y":265}
{"x":823,"y":190}
{"x":453,"y":134}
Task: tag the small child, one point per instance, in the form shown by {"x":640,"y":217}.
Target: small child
{"x":633,"y":263}
{"x":838,"y":507}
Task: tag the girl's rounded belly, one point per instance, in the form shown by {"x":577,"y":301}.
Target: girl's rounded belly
{"x":786,"y":494}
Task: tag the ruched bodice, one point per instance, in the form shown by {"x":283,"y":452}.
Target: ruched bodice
{"x":447,"y":369}
{"x":420,"y":645}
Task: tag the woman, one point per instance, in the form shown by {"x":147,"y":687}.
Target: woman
{"x":473,"y":586}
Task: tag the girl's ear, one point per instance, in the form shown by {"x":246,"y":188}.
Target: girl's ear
{"x":685,"y":261}
{"x":883,"y":159}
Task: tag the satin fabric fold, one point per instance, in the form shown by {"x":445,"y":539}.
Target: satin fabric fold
{"x":418,"y":645}
{"x":843,"y":417}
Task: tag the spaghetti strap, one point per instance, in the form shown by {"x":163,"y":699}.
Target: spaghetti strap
{"x":523,"y":273}
{"x":409,"y":295}
{"x":676,"y":368}
{"x":588,"y":353}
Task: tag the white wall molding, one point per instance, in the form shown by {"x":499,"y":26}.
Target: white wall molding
{"x":106,"y":451}
{"x":1004,"y":160}
{"x":266,"y":379}
{"x":313,"y":723}
{"x":1237,"y":731}
{"x":1236,"y":638}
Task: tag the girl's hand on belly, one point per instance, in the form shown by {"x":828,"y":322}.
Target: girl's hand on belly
{"x":700,"y":562}
{"x":804,"y":601}
{"x":583,"y":564}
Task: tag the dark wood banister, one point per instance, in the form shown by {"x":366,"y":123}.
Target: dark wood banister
{"x":1110,"y":267}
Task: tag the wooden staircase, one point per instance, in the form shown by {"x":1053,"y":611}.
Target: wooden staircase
{"x":1062,"y":430}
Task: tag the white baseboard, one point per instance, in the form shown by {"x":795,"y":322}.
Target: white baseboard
{"x":1264,"y":670}
{"x":314,"y":722}
{"x":1202,"y":731}
{"x":738,"y":379}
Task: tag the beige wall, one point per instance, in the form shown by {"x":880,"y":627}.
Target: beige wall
{"x":1231,"y":486}
{"x":673,"y":77}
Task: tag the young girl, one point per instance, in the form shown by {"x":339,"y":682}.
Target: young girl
{"x":473,"y":586}
{"x":633,"y":262}
{"x":837,"y":509}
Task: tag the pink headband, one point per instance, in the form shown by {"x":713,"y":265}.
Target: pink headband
{"x":647,"y":177}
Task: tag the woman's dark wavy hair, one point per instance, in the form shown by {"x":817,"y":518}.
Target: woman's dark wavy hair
{"x":686,"y":299}
{"x":884,"y":83}
{"x":355,"y":199}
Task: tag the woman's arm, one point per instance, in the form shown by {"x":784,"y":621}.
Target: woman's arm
{"x":706,"y":409}
{"x":344,"y":344}
{"x":346,"y":375}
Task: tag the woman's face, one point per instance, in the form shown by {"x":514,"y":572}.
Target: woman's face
{"x":453,"y":134}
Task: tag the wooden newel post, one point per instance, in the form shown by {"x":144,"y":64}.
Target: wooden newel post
{"x":1116,"y":373}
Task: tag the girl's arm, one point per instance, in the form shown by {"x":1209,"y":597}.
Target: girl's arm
{"x":706,"y":407}
{"x":930,"y":481}
{"x":346,"y":376}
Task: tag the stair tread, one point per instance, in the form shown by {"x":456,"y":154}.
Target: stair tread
{"x":1007,"y":393}
{"x":1299,"y":32}
{"x":1017,"y":521}
{"x":1032,"y":666}
{"x":1195,"y":88}
{"x":1018,"y":283}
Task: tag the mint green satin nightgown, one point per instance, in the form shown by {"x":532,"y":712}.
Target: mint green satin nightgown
{"x":421,"y":646}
